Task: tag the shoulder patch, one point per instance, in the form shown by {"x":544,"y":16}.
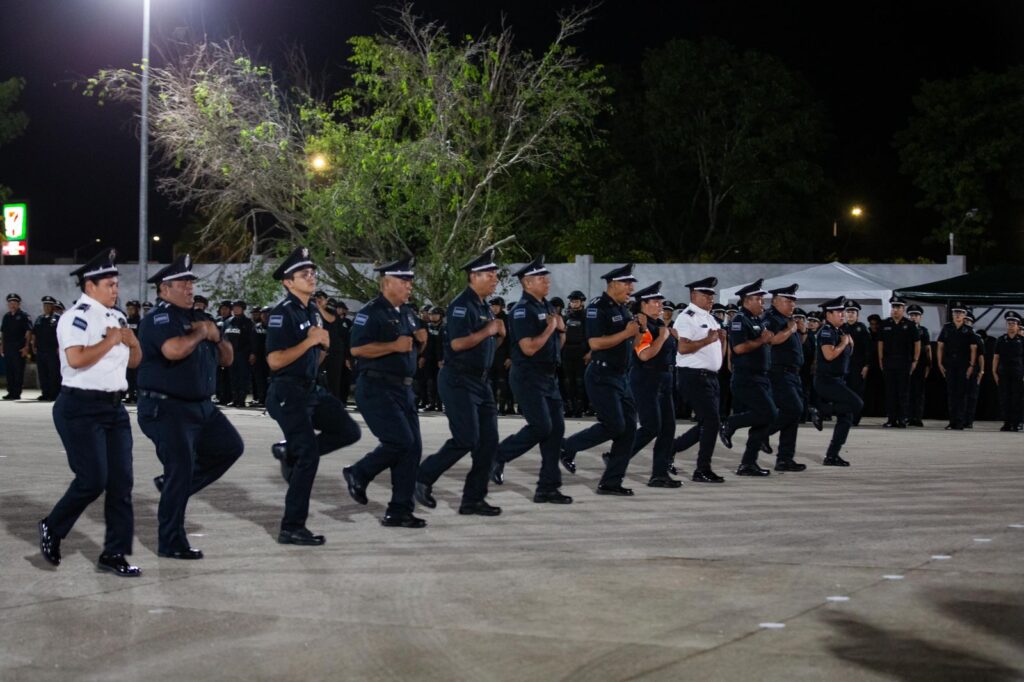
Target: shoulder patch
{"x":736,"y":325}
{"x":360,"y":320}
{"x":690,"y":312}
{"x":458,"y":311}
{"x":161,"y":318}
{"x":275,"y":321}
{"x":82,"y":306}
{"x":591,"y":313}
{"x":80,"y":322}
{"x":519,"y":314}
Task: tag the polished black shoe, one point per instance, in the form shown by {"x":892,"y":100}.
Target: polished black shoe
{"x":836,"y":461}
{"x":954,"y":427}
{"x":725,"y":435}
{"x":568,"y":462}
{"x":497,"y":472}
{"x":423,"y":495}
{"x":766,"y":448}
{"x":49,"y":544}
{"x":1007,"y":427}
{"x":280,"y":452}
{"x":673,"y":470}
{"x":706,"y":476}
{"x":158,"y":483}
{"x":617,"y":490}
{"x":188,"y":554}
{"x":302,"y":536}
{"x":901,"y":424}
{"x":118,"y":565}
{"x":8,"y":396}
{"x":406,"y":520}
{"x":752,"y":470}
{"x":664,"y":482}
{"x":480,"y":508}
{"x":789,"y":465}
{"x":915,"y":422}
{"x":816,"y":419}
{"x":551,"y":497}
{"x":969,"y":425}
{"x":356,"y":488}
{"x":890,"y":425}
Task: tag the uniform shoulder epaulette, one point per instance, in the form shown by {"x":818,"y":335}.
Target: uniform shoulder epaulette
{"x":594,"y":301}
{"x":689,"y":311}
{"x":82,"y":306}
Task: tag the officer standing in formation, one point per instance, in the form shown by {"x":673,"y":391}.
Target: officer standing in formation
{"x":534,"y":339}
{"x":44,"y":347}
{"x":384,"y":337}
{"x":260,"y":368}
{"x":919,"y":377}
{"x":1008,"y":372}
{"x":750,"y":344}
{"x":974,"y":385}
{"x":835,"y":398}
{"x":96,"y":348}
{"x":238,"y":332}
{"x":899,"y":347}
{"x":957,"y":358}
{"x":296,"y":344}
{"x":860,"y":359}
{"x":469,"y":339}
{"x":787,"y":357}
{"x":133,"y":316}
{"x":574,"y":355}
{"x":502,"y":361}
{"x":611,"y":334}
{"x":194,"y":441}
{"x":16,"y":330}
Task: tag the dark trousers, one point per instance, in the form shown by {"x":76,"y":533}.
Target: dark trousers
{"x":576,"y":392}
{"x":260,"y":379}
{"x":857,"y":384}
{"x":333,"y":365}
{"x":14,"y":366}
{"x":701,"y":390}
{"x":971,"y":404}
{"x":301,"y":409}
{"x":725,"y":393}
{"x":345,"y":383}
{"x":918,"y":382}
{"x":97,"y":437}
{"x":956,"y":395}
{"x":502,"y":389}
{"x":473,"y":421}
{"x":196,"y":444}
{"x":752,"y":391}
{"x":656,"y":407}
{"x":390,"y":413}
{"x":897,"y":394}
{"x":223,"y":391}
{"x":48,"y":366}
{"x":240,"y":380}
{"x":787,"y":394}
{"x":613,"y":402}
{"x":542,"y":409}
{"x":1011,"y":386}
{"x":836,"y":399}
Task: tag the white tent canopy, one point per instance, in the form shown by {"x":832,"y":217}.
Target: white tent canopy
{"x":822,"y":282}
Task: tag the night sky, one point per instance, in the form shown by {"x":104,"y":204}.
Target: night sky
{"x":77,"y":165}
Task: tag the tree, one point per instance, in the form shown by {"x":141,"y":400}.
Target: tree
{"x":12,"y":122}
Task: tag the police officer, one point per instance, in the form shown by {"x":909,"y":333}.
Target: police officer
{"x":574,"y":353}
{"x":502,"y":362}
{"x":260,"y":368}
{"x":296,"y":340}
{"x":344,"y":327}
{"x":194,"y":441}
{"x":469,"y":339}
{"x":330,"y":372}
{"x":919,"y":377}
{"x":201,"y":303}
{"x":957,"y":357}
{"x":650,"y":380}
{"x":44,"y":348}
{"x":701,"y":349}
{"x":860,"y":359}
{"x":835,"y":347}
{"x":787,"y":358}
{"x":974,"y":385}
{"x":224,"y":392}
{"x":433,"y":357}
{"x":811,"y":360}
{"x":750,"y":345}
{"x":96,"y":348}
{"x":384,"y":337}
{"x":611,"y":333}
{"x":1008,"y":372}
{"x":899,"y":347}
{"x":132,"y":308}
{"x":16,"y":330}
{"x":238,"y":332}
{"x":725,"y":371}
{"x":533,"y":340}
{"x":146,"y":307}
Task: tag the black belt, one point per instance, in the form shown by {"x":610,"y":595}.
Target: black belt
{"x":471,"y":372}
{"x":301,"y":381}
{"x":608,"y":366}
{"x":542,"y":367}
{"x":789,"y":369}
{"x":702,"y":372}
{"x":112,"y":397}
{"x":392,"y":379}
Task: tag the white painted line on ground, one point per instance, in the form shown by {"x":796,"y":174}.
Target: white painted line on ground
{"x":159,"y":610}
{"x":983,"y":539}
{"x":1016,"y":525}
{"x":893,"y":576}
{"x":771,"y":626}
{"x":197,"y":535}
{"x":941,"y":557}
{"x":837,"y":597}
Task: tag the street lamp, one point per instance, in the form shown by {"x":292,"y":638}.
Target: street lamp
{"x":856,"y":211}
{"x":318,"y":162}
{"x":144,"y":157}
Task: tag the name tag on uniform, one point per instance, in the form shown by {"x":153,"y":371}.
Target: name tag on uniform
{"x":458,"y":311}
{"x":276,"y":321}
{"x":161,"y":318}
{"x":542,"y":316}
{"x":617,"y":318}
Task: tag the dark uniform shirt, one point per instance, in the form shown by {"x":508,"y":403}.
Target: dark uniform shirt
{"x":529,"y":319}
{"x":605,"y":317}
{"x":380,"y":322}
{"x":259,"y":340}
{"x":288,"y":326}
{"x":745,"y":327}
{"x":956,"y":349}
{"x":665,"y":360}
{"x":194,"y":377}
{"x":45,"y":332}
{"x":837,"y":367}
{"x":861,"y":335}
{"x":898,"y":339}
{"x":467,"y":314}
{"x":434,"y":351}
{"x":238,"y":332}
{"x":790,"y":353}
{"x":925,"y":337}
{"x":15,"y":328}
{"x":133,"y":322}
{"x":1010,"y":350}
{"x":810,"y":348}
{"x":576,"y":332}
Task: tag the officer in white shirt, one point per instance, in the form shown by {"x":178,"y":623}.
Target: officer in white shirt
{"x":697,"y":364}
{"x":96,"y":350}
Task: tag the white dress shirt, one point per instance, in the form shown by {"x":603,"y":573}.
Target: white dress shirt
{"x":85,"y":325}
{"x":693,"y":324}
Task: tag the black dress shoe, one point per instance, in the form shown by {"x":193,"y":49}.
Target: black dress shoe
{"x":672,"y":470}
{"x":356,"y":488}
{"x":158,"y":483}
{"x":836,"y":461}
{"x":405,"y":520}
{"x":816,"y":419}
{"x":789,"y":465}
{"x":280,"y":452}
{"x":423,"y":495}
{"x":752,"y":470}
{"x":664,"y":482}
{"x":187,"y":554}
{"x":497,"y":472}
{"x":1007,"y":427}
{"x":302,"y":536}
{"x":707,"y":476}
{"x":766,"y":448}
{"x":49,"y":544}
{"x":118,"y":565}
{"x":889,"y":425}
{"x":614,"y":490}
{"x":725,"y":435}
{"x":954,"y":427}
{"x":8,"y":396}
{"x":480,"y":508}
{"x":568,"y":462}
{"x":915,"y":422}
{"x":551,"y":497}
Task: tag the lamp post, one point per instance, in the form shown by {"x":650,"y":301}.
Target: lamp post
{"x":144,"y":158}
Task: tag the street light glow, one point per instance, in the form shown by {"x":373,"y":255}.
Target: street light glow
{"x":156,"y":237}
{"x":318,"y":162}
{"x":856,"y":211}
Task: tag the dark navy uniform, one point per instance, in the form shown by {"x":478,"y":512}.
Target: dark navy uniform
{"x":787,"y":359}
{"x":15,"y":329}
{"x":835,"y":398}
{"x":919,"y":377}
{"x":974,"y":384}
{"x":238,"y":332}
{"x":956,"y":362}
{"x":44,"y":338}
{"x":897,"y":342}
{"x":194,"y":441}
{"x":573,"y":354}
{"x":133,"y":373}
{"x":1010,"y":371}
{"x":260,"y":369}
{"x":503,"y":397}
{"x":860,"y":359}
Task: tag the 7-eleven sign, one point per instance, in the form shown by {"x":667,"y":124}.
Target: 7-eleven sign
{"x":15,"y":222}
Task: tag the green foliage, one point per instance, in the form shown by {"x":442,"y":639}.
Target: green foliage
{"x":254,"y":282}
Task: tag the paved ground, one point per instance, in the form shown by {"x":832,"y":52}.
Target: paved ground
{"x":906,"y":566}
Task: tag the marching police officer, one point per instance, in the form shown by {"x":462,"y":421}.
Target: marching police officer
{"x":650,"y":380}
{"x":16,"y":330}
{"x":750,"y":345}
{"x":974,"y":385}
{"x":96,"y":348}
{"x":957,"y":356}
{"x":194,"y":441}
{"x":502,"y":361}
{"x":835,"y":347}
{"x":344,"y":327}
{"x":1008,"y":371}
{"x":44,"y":347}
{"x":331,"y":369}
{"x":238,"y":332}
{"x":787,"y":358}
{"x":860,"y":359}
{"x":899,"y":347}
{"x":469,"y":339}
{"x":384,"y":337}
{"x":133,"y":316}
{"x":725,"y":372}
{"x":919,"y":377}
{"x":611,"y":333}
{"x":533,"y":340}
{"x":299,"y":405}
